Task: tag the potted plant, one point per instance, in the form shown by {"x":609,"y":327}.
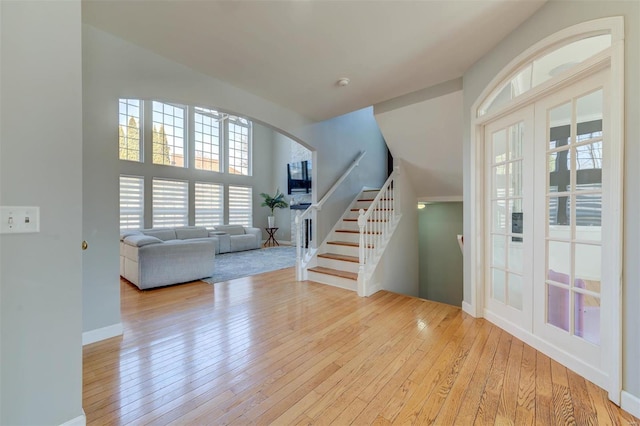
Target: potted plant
{"x":276,"y":201}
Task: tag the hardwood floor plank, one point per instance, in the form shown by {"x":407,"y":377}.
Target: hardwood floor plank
{"x":526,"y":402}
{"x":562,"y":402}
{"x":472,"y":344}
{"x":544,"y":390}
{"x":270,"y":350}
{"x":489,"y":400}
{"x":450,"y":358}
{"x":472,"y":376}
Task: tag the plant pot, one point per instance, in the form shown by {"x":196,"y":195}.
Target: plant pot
{"x":272,"y":221}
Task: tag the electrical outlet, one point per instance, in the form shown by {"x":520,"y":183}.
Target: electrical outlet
{"x":19,"y":219}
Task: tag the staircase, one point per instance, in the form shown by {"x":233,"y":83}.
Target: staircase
{"x":349,"y":256}
{"x":338,"y":259}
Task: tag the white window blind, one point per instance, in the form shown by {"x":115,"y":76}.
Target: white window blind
{"x":170,"y":203}
{"x":240,"y":205}
{"x":209,"y":204}
{"x":131,"y":202}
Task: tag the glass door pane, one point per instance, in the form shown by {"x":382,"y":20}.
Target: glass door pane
{"x":574,"y":153}
{"x":506,"y":192}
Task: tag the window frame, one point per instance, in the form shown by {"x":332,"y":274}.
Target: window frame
{"x":185,"y":133}
{"x":140,"y":118}
{"x":237,"y":121}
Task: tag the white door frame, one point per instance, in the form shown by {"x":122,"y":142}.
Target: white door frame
{"x":612,"y":57}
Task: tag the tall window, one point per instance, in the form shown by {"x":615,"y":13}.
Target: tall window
{"x":238,"y":135}
{"x":209,"y":204}
{"x":207,"y":139}
{"x":168,"y":134}
{"x":170,"y":203}
{"x":131,"y":202}
{"x":129,"y":130}
{"x":240,"y":205}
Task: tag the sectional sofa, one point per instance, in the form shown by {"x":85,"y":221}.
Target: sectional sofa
{"x":162,"y":256}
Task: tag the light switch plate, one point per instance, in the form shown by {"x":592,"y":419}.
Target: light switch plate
{"x":19,"y":219}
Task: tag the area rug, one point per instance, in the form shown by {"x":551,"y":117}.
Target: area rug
{"x":230,"y":266}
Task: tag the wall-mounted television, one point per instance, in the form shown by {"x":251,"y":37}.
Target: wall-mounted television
{"x":299,"y":177}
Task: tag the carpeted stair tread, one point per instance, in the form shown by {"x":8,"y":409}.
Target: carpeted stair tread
{"x":335,"y":272}
{"x":342,"y":257}
{"x":380,"y":210}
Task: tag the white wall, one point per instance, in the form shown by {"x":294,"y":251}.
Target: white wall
{"x":552,"y":17}
{"x":114,"y":68}
{"x":40,"y":165}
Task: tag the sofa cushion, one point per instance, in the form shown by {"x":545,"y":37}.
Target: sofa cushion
{"x":243,"y":242}
{"x":231,"y":229}
{"x":141,"y":240}
{"x":191,"y":232}
{"x":126,"y":233}
{"x":163,"y":234}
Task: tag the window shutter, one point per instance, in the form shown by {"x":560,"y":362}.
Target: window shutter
{"x":240,"y":205}
{"x":170,"y":203}
{"x":209,"y":204}
{"x":131,"y":202}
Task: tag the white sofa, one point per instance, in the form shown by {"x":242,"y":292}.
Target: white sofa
{"x":162,"y":256}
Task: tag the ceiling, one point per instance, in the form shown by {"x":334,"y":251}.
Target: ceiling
{"x":293,"y":52}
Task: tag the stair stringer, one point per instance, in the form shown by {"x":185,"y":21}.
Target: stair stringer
{"x":370,"y":279}
{"x":369,"y":276}
{"x":324,"y":247}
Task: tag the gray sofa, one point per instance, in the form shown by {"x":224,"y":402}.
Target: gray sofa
{"x":162,"y":256}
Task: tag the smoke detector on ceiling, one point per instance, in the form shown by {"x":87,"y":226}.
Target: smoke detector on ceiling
{"x":342,"y":82}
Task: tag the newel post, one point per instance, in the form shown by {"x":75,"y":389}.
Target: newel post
{"x":396,"y":192}
{"x":362,"y":221}
{"x":298,"y":223}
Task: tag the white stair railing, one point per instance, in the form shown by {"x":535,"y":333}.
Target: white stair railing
{"x":376,"y":226}
{"x":305,"y":225}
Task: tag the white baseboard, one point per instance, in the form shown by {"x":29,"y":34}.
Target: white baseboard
{"x":373,"y":289}
{"x":467,"y":308}
{"x":630,"y":403}
{"x":574,"y":364}
{"x":78,"y":421}
{"x":103,"y":333}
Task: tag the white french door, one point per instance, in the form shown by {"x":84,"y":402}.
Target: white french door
{"x":550,"y":219}
{"x":509,"y":159}
{"x":572,"y":209}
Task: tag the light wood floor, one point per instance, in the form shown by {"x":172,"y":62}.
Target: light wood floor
{"x":268,"y":349}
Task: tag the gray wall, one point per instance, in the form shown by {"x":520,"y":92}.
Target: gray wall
{"x":552,"y":17}
{"x":337,"y":142}
{"x":40,"y":165}
{"x":281,"y":157}
{"x":399,"y":265}
{"x":440,"y":257}
{"x":114,"y":68}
